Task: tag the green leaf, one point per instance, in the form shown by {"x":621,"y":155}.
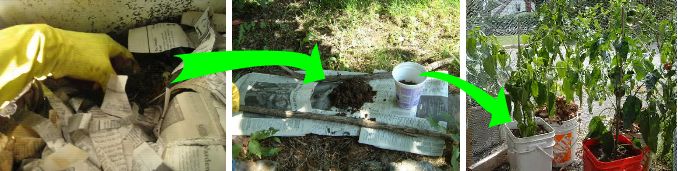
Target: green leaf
{"x":567,"y":89}
{"x":596,"y":127}
{"x":534,"y":86}
{"x":648,"y":127}
{"x":622,"y":48}
{"x":471,"y":47}
{"x":561,"y":68}
{"x":490,"y":67}
{"x":455,"y":159}
{"x":639,"y":69}
{"x":637,"y":143}
{"x":542,"y":95}
{"x":668,"y":133}
{"x":237,"y":148}
{"x":630,"y":109}
{"x":254,"y":148}
{"x":271,"y":152}
{"x":551,"y":103}
{"x":263,"y":134}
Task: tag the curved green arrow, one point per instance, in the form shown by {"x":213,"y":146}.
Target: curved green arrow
{"x":496,"y":106}
{"x":201,"y":64}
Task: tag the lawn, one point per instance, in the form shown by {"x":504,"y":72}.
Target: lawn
{"x":354,"y":35}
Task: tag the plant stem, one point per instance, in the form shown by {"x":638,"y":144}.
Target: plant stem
{"x":618,"y":95}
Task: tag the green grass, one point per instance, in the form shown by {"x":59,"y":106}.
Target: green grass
{"x":355,"y":35}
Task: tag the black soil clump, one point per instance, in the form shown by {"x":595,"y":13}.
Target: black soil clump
{"x":351,"y":94}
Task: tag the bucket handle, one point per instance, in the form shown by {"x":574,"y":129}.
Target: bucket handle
{"x":544,"y":151}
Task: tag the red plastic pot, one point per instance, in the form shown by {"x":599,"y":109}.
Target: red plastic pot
{"x":591,"y":163}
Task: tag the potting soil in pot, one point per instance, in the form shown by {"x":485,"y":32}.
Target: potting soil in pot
{"x":351,"y":94}
{"x":625,"y":150}
{"x":564,"y":111}
{"x":540,"y":130}
{"x":407,"y":82}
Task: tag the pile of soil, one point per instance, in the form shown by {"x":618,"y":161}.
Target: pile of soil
{"x":351,"y":94}
{"x":624,"y":151}
{"x":564,"y":111}
{"x":315,"y":152}
{"x":540,"y":130}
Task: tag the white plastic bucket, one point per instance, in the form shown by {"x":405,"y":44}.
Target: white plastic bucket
{"x":408,"y":95}
{"x":565,"y":139}
{"x":530,"y":153}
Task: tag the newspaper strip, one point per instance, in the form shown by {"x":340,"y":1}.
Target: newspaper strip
{"x":157,"y":38}
{"x":76,"y":102}
{"x":79,"y":121}
{"x":148,"y":158}
{"x":291,"y":126}
{"x":274,"y":92}
{"x":206,"y":34}
{"x":134,"y":137}
{"x":64,"y":157}
{"x":115,"y":100}
{"x":58,"y":105}
{"x":190,"y":117}
{"x":63,"y":112}
{"x":108,"y":146}
{"x":279,"y":92}
{"x":189,"y":18}
{"x":85,"y":166}
{"x":395,"y":141}
{"x":82,"y":140}
{"x":197,"y":158}
{"x":52,"y":136}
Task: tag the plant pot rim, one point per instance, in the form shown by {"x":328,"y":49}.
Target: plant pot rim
{"x":587,"y":152}
{"x":562,"y":123}
{"x":539,"y":121}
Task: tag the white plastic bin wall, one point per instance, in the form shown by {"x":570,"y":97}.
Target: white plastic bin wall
{"x":98,"y":15}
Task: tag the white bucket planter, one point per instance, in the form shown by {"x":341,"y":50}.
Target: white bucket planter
{"x":530,"y":153}
{"x":565,"y":139}
{"x":408,"y":95}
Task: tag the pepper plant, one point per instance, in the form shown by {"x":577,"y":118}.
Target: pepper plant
{"x":621,"y":59}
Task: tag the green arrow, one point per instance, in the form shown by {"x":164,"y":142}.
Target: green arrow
{"x":496,"y":106}
{"x":201,"y":64}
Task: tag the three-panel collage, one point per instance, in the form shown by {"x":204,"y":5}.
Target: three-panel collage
{"x":373,"y":85}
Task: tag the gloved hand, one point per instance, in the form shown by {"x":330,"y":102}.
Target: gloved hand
{"x":38,"y":50}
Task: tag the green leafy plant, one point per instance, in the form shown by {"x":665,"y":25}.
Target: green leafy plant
{"x":243,"y":30}
{"x":255,"y":147}
{"x":452,"y":128}
{"x":623,"y":61}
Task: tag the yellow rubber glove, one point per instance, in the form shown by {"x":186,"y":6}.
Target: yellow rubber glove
{"x":236,"y":99}
{"x":38,"y":50}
